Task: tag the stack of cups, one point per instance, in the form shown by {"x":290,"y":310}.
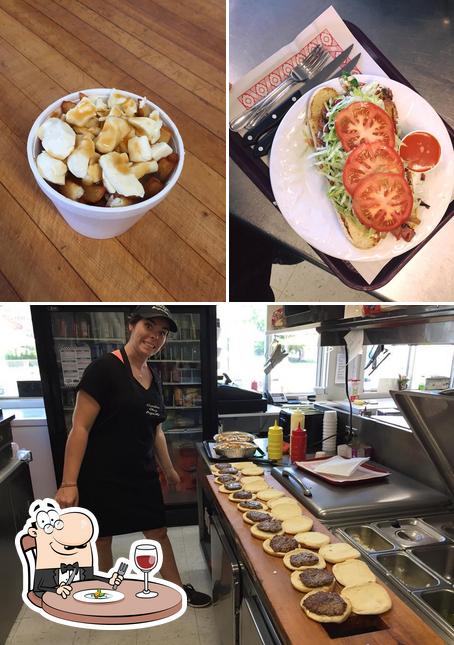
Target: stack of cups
{"x":329,"y":432}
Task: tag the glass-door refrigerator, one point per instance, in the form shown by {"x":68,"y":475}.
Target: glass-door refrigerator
{"x":69,"y":337}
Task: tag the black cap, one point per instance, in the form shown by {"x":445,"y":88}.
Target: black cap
{"x":156,"y":311}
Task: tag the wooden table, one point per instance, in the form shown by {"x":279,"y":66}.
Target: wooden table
{"x":399,"y":626}
{"x":168,"y":50}
{"x":128,"y":610}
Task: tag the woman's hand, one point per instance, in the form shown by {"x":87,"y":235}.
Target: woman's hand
{"x":67,"y":496}
{"x":173,"y":478}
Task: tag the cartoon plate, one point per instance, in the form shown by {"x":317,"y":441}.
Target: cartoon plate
{"x":98,"y":595}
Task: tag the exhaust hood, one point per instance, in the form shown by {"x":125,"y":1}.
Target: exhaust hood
{"x":414,"y":324}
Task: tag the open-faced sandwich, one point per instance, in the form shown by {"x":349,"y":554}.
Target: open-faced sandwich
{"x":356,"y":139}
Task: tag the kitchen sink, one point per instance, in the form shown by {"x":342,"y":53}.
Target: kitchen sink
{"x":409,"y":532}
{"x":443,"y":523}
{"x":368,"y":538}
{"x":439,"y":558}
{"x":406,"y":570}
{"x":441,"y":602}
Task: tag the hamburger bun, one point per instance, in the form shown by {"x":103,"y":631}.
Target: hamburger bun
{"x":327,"y":580}
{"x":325,"y":600}
{"x":255,"y":486}
{"x":367,"y":599}
{"x":289,"y":543}
{"x":316,"y":561}
{"x":252,"y":478}
{"x":352,"y":572}
{"x":286,"y":511}
{"x":248,"y":520}
{"x":338,"y":552}
{"x":283,"y":499}
{"x":252,"y":470}
{"x":312,"y":539}
{"x":241,"y":506}
{"x":237,"y":501}
{"x":240,"y":465}
{"x":223,"y":489}
{"x":296,"y":525}
{"x":270,"y":494}
{"x":264,"y":535}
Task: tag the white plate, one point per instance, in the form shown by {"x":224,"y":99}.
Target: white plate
{"x":86,"y":595}
{"x":301,"y":191}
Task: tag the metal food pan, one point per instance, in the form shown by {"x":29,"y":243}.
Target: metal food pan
{"x":440,"y":602}
{"x":442,"y":523}
{"x":439,"y":558}
{"x":409,"y":532}
{"x":408,"y":572}
{"x":366,"y":538}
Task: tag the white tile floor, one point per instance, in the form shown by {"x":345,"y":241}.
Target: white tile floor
{"x":195,"y":627}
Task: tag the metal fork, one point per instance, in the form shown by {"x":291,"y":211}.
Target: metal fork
{"x":312,"y":64}
{"x":121,"y":571}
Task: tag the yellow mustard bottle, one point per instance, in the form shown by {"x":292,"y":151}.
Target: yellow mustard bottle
{"x":275,"y":440}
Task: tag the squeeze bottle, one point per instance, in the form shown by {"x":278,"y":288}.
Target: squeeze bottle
{"x":298,"y":445}
{"x":275,"y":440}
{"x":296,"y":417}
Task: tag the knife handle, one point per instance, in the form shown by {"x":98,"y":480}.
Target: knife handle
{"x":252,"y":136}
{"x":263,"y":145}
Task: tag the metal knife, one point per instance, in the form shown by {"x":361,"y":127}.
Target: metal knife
{"x":263,"y":143}
{"x":254,"y":133}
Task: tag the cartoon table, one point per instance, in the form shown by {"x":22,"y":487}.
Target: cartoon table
{"x":128,"y":610}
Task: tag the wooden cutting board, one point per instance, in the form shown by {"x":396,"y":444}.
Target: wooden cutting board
{"x":400,"y":625}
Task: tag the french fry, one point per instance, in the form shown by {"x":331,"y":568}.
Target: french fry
{"x":152,"y":186}
{"x":166,"y":166}
{"x":94,"y":193}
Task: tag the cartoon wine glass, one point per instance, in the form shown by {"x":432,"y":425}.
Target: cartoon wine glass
{"x":146,"y":559}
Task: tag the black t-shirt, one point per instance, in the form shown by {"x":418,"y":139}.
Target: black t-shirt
{"x":121,"y":441}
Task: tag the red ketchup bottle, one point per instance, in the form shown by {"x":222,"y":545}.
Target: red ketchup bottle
{"x":299,"y":444}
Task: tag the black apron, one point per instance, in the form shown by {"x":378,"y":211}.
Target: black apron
{"x":118,"y":480}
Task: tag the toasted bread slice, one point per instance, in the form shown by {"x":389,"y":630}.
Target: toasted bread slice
{"x":315,"y":110}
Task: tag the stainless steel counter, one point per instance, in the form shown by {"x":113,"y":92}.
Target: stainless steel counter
{"x":418,"y":38}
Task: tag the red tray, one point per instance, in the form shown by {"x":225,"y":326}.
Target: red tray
{"x":363,"y":474}
{"x":258,"y":173}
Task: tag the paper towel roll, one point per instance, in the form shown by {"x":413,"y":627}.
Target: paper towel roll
{"x":329,"y":431}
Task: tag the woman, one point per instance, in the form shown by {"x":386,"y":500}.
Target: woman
{"x":115,"y":441}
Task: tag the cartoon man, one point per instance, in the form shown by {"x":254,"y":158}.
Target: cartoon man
{"x":64,"y":541}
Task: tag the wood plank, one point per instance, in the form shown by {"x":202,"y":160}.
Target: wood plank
{"x":28,"y":32}
{"x":184,"y":77}
{"x":22,"y":248}
{"x":110,"y":271}
{"x":206,"y":43}
{"x":209,"y":17}
{"x":118,"y":15}
{"x":160,"y":86}
{"x":187,"y":276}
{"x":402,"y":625}
{"x":7,"y":293}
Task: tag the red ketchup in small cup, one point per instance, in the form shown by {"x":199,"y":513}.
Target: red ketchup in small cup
{"x":420,"y":150}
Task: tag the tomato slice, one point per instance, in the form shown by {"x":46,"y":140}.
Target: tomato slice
{"x":383,"y":201}
{"x":363,"y":122}
{"x":368,"y":158}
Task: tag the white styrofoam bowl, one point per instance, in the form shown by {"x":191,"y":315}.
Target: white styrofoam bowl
{"x":97,"y":221}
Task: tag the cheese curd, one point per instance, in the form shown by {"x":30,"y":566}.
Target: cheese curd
{"x":58,"y":138}
{"x":107,"y":151}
